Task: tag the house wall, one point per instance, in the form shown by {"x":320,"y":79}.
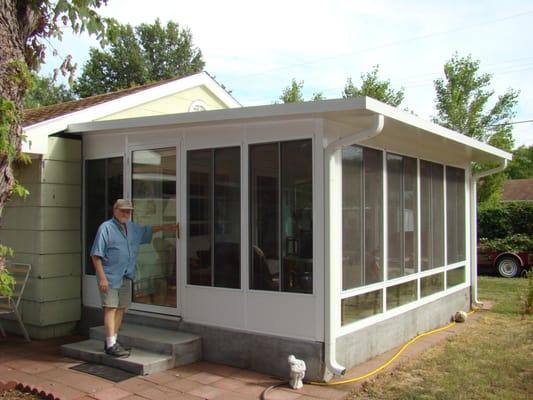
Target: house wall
{"x":176,"y":103}
{"x":44,"y":231}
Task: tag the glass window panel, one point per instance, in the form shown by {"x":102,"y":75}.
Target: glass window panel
{"x":373,"y":220}
{"x":401,"y":294}
{"x":455,"y":276}
{"x":432,"y":284}
{"x":432,"y":215}
{"x":402,"y":215}
{"x":362,"y":201}
{"x":199,"y":217}
{"x":227,"y":223}
{"x":264,"y":216}
{"x":361,"y":306}
{"x":103,"y":186}
{"x":297,"y":216}
{"x":352,"y":217}
{"x":154,"y":199}
{"x":455,"y":214}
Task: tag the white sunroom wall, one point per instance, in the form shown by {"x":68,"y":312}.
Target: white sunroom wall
{"x":295,"y":315}
{"x":334,"y":131}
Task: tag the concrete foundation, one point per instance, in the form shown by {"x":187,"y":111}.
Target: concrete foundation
{"x":268,"y":354}
{"x":359,"y":346}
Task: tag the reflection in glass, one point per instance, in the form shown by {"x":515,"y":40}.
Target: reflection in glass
{"x":227,"y":221}
{"x":431,"y":284}
{"x":362,"y":204}
{"x":402,"y":215}
{"x":455,"y":277}
{"x":401,"y":294}
{"x":199,"y":196}
{"x":361,"y":306}
{"x":281,"y":216}
{"x":103,"y":186}
{"x":154,"y":200}
{"x":214,"y":221}
{"x":455,"y":214}
{"x":264,"y":216}
{"x":352,"y":217}
{"x":432,"y":214}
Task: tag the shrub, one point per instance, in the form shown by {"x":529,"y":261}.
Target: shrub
{"x":505,"y":219}
{"x":512,"y":243}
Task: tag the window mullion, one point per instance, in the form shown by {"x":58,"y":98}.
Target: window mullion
{"x":212,"y":219}
{"x":280,"y":221}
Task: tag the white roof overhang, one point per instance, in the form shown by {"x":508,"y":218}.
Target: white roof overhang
{"x":402,"y":132}
{"x":37,"y":134}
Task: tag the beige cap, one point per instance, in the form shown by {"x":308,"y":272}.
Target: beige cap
{"x":123,"y":204}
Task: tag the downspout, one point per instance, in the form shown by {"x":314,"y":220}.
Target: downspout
{"x":333,"y":256}
{"x":473,"y":224}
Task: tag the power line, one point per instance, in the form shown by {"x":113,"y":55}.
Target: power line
{"x":386,"y":45}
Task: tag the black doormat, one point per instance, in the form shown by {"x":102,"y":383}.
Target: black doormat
{"x":104,"y":371}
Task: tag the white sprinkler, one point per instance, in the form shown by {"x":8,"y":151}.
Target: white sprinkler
{"x":297,"y":373}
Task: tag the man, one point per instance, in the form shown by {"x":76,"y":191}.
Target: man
{"x":114,"y":255}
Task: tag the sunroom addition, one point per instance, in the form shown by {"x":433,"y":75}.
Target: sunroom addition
{"x":331,"y":230}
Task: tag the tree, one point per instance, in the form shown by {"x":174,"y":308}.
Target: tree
{"x":43,"y":92}
{"x":372,"y":86}
{"x":25,"y":27}
{"x":521,"y":166}
{"x":462,"y":104}
{"x":146,"y":53}
{"x":294,"y":93}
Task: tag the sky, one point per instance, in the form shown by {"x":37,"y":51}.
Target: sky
{"x":256,"y":48}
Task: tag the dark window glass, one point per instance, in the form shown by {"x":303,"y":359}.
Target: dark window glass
{"x":199,"y":166}
{"x":213,"y":178}
{"x":361,"y":306}
{"x":432,"y":214}
{"x":264,"y":216}
{"x":401,"y":294}
{"x":362,"y":199}
{"x":455,"y":214}
{"x":455,"y":277}
{"x":402,"y":215}
{"x":281,"y":216}
{"x":103,"y":186}
{"x":227,"y":224}
{"x":431,"y":284}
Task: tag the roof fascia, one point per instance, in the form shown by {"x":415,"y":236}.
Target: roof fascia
{"x":409,"y":119}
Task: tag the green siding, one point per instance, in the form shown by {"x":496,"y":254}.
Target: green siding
{"x":44,"y":231}
{"x":42,"y":242}
{"x":51,"y":312}
{"x":52,"y":289}
{"x":41,"y":218}
{"x":42,"y":332}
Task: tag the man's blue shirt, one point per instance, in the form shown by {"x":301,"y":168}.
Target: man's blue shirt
{"x":119,"y":250}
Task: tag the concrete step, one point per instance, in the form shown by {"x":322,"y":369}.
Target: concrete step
{"x":185,"y":347}
{"x":139,"y":362}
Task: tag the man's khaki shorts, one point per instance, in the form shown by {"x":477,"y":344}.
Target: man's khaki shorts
{"x":118,"y":298}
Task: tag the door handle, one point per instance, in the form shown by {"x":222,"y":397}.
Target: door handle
{"x":178,"y":230}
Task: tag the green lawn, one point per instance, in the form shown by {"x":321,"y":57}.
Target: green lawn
{"x":491,"y":359}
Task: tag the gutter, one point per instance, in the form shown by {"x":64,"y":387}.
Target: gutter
{"x":333,"y":259}
{"x":473,"y":225}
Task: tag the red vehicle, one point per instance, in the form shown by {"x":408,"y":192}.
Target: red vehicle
{"x":507,"y":264}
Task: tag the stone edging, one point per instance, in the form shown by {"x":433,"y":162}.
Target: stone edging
{"x":10,"y":385}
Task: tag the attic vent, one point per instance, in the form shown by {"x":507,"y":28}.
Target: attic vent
{"x":197,"y":105}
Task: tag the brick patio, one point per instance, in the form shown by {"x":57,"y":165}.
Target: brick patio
{"x":40,"y":365}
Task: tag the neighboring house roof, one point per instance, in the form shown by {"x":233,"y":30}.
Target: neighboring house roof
{"x":39,"y":123}
{"x":518,"y":189}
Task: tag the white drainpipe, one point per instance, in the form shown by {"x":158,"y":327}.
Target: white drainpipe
{"x":333,"y":201}
{"x":473,"y":224}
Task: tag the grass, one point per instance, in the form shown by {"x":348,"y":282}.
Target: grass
{"x":491,"y":359}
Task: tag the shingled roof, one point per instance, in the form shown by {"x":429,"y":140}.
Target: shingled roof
{"x":518,"y":190}
{"x":40,"y":114}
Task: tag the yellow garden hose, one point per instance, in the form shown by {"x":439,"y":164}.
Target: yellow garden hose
{"x":394,"y":357}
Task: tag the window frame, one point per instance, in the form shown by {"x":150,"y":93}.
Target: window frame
{"x":419,"y":274}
